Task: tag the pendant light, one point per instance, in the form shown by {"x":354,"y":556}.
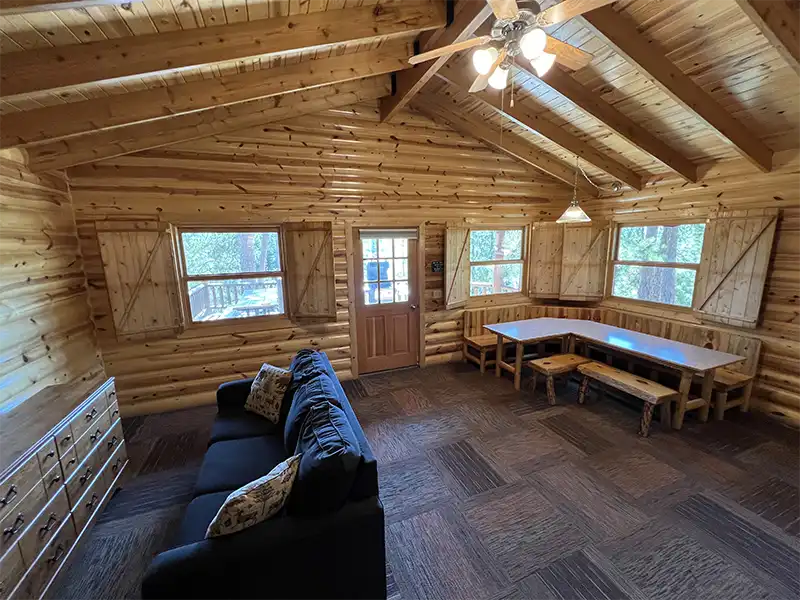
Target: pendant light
{"x":574,"y":213}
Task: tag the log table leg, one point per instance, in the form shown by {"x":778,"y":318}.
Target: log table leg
{"x":498,"y":356}
{"x":571,"y":344}
{"x":518,"y":366}
{"x":647,"y":416}
{"x":708,"y":390}
{"x":583,"y":389}
{"x":683,"y":398}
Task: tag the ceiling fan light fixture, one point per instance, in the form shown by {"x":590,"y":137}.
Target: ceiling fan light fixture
{"x":573,"y":214}
{"x":532,"y":44}
{"x":499,"y":78}
{"x":483,"y":59}
{"x":543,"y":63}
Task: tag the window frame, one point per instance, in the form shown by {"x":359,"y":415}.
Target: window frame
{"x":616,"y":261}
{"x":184,"y":279}
{"x":523,"y":260}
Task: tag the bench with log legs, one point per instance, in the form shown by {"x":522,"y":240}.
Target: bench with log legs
{"x":484,"y":345}
{"x":552,"y":366}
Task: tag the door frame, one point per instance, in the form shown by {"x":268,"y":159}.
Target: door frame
{"x":352,"y":239}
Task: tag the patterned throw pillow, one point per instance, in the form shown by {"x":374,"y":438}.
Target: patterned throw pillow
{"x":257,"y":501}
{"x":266,"y":393}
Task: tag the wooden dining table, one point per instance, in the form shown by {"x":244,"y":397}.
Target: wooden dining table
{"x":688,"y":360}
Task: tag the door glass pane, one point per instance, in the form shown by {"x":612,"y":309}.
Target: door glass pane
{"x":495,"y":279}
{"x":370,"y":293}
{"x":369,"y":248}
{"x":235,"y":298}
{"x":401,"y":291}
{"x":659,"y":243}
{"x":385,"y":248}
{"x":221,"y":253}
{"x":666,"y":285}
{"x":370,"y":270}
{"x":400,"y":269}
{"x":387,"y":293}
{"x":400,"y":248}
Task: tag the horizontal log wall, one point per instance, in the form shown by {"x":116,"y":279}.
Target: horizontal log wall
{"x":341,"y":166}
{"x":47,"y":333}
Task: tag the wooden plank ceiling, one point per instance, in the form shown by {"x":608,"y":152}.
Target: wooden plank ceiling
{"x":673,"y":87}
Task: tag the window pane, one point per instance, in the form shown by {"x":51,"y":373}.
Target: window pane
{"x":495,"y":279}
{"x":400,"y":268}
{"x":235,"y":298}
{"x":369,"y":248}
{"x":667,"y":285}
{"x":673,"y":244}
{"x":495,"y":245}
{"x":385,"y":248}
{"x":401,"y":248}
{"x":401,"y":291}
{"x":387,"y":293}
{"x":220,"y":253}
{"x":370,"y":293}
{"x":370,"y":270}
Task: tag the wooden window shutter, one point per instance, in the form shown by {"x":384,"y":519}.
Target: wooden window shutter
{"x":733,"y":267}
{"x":547,"y":240}
{"x":456,"y":266}
{"x":583,"y":261}
{"x":309,"y":270}
{"x":141,"y":277}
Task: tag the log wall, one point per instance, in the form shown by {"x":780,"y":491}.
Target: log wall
{"x":47,"y":333}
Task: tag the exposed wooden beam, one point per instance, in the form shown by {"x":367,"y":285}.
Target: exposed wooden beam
{"x":17,"y":7}
{"x":778,"y":23}
{"x":521,"y":114}
{"x":162,"y":132}
{"x":443,"y":109}
{"x":63,"y":120}
{"x":49,"y":68}
{"x":409,"y":83}
{"x":621,"y":33}
{"x":590,"y":102}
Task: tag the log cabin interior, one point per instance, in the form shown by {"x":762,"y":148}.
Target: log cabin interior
{"x":414,"y":298}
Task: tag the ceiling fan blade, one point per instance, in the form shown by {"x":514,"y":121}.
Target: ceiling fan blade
{"x":481,"y":81}
{"x":504,"y":9}
{"x":564,"y":11}
{"x":569,"y":56}
{"x":444,"y":50}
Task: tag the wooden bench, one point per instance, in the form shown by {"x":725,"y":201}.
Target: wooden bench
{"x":483,"y":344}
{"x":552,"y":366}
{"x":651,"y":392}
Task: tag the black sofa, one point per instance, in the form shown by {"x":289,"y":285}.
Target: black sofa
{"x":335,"y":555}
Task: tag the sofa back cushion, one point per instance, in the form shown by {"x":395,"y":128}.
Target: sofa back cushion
{"x":317,"y":389}
{"x":330,"y":457}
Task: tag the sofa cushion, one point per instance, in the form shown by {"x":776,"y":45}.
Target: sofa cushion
{"x":307,"y":364}
{"x":330,"y":459}
{"x":231,"y":464}
{"x":267,"y":392}
{"x":257,"y":501}
{"x":315,"y":390}
{"x":198,"y":516}
{"x":235,"y":424}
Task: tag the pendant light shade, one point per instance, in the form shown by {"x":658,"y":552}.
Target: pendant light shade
{"x":574,"y":214}
{"x":532,"y":43}
{"x":483,"y":59}
{"x":499,"y":78}
{"x":543,"y":62}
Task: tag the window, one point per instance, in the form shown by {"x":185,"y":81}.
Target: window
{"x":232,"y":274}
{"x":658,"y":263}
{"x":495,"y":261}
{"x":385,"y":264}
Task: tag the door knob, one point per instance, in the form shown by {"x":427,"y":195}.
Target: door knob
{"x":413,"y":307}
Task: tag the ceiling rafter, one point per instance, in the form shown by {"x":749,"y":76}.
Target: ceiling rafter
{"x":62,"y":66}
{"x":96,"y":114}
{"x":780,"y":24}
{"x":521,"y":114}
{"x":440,"y":107}
{"x":621,"y":34}
{"x":128,"y":139}
{"x":409,"y":83}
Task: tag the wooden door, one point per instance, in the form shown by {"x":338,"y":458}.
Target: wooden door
{"x":387,"y":318}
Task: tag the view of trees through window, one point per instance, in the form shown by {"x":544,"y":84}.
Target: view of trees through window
{"x":495,"y":261}
{"x":233,"y":275}
{"x":650,"y":263}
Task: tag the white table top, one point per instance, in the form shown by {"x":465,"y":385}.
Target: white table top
{"x":658,"y":349}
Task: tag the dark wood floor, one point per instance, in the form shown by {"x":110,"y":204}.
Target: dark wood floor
{"x":491,"y":493}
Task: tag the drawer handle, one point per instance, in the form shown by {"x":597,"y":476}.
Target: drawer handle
{"x":91,"y":415}
{"x":112,"y":393}
{"x":52,"y":521}
{"x":66,"y":439}
{"x":10,"y":532}
{"x":115,"y":413}
{"x":90,"y":504}
{"x":72,"y":461}
{"x":96,"y":435}
{"x":51,"y":454}
{"x":115,"y":466}
{"x":12,"y":491}
{"x":54,"y":480}
{"x":112,"y":442}
{"x":85,"y":477}
{"x":56,"y":555}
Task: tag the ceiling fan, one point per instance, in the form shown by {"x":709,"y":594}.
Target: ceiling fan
{"x":519,"y":32}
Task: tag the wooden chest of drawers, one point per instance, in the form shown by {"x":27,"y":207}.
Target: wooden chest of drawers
{"x":52,"y":492}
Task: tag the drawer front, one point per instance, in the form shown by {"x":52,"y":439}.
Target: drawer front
{"x":44,"y":526}
{"x":113,"y":411}
{"x":91,"y":438}
{"x":117,"y":462}
{"x":111,"y":395}
{"x":48,"y":455}
{"x":11,"y":571}
{"x":112,"y":441}
{"x":53,"y":481}
{"x":14,"y":523}
{"x":69,"y":462}
{"x":83,"y":477}
{"x":18,"y":484}
{"x":64,"y":439}
{"x":87,"y":505}
{"x":88,"y":415}
{"x":47,"y":563}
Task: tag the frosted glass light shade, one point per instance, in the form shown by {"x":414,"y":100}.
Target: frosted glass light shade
{"x":543,"y":62}
{"x":573,"y":214}
{"x":483,"y":59}
{"x":499,"y":78}
{"x":532,"y":43}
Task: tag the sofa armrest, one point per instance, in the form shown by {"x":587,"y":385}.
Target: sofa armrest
{"x":233,"y":394}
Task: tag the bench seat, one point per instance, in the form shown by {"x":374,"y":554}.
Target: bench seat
{"x":483,"y":344}
{"x":552,"y":366}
